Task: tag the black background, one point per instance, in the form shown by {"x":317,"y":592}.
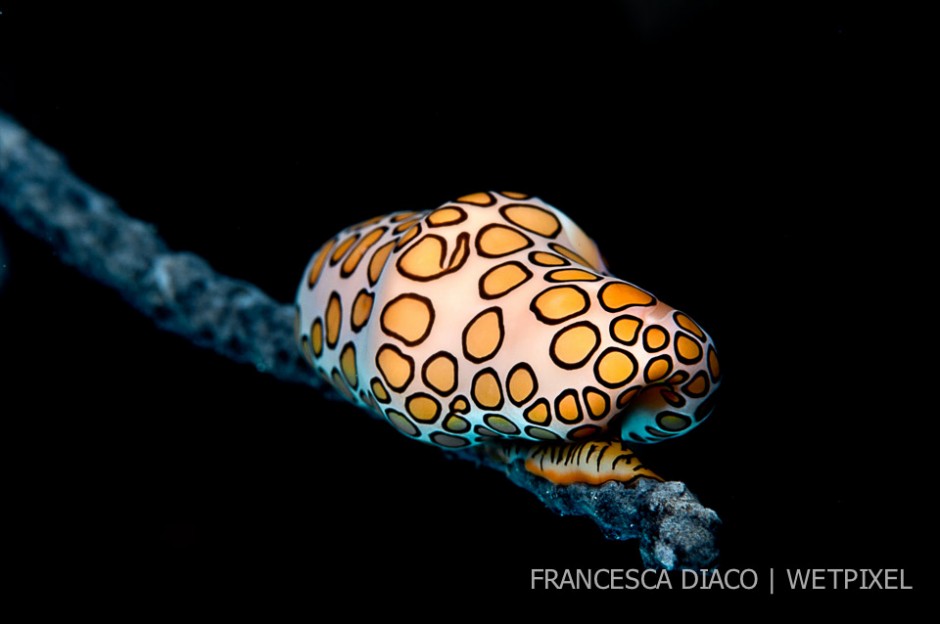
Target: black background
{"x":754,"y":164}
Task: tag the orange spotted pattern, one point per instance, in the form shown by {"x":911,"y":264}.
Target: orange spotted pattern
{"x":493,"y":320}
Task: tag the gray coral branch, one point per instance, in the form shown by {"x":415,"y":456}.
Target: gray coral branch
{"x":179,"y":290}
{"x":182,"y":294}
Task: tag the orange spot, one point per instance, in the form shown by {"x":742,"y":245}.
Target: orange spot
{"x":317,"y":267}
{"x":448,"y":215}
{"x":521,"y":384}
{"x":532,"y":218}
{"x":678,"y":378}
{"x":571,"y":275}
{"x":484,"y":335}
{"x":316,"y":337}
{"x":381,"y":394}
{"x":377,"y":263}
{"x":619,"y":295}
{"x":425,"y":260}
{"x":342,"y":248}
{"x":713,"y":364}
{"x":657,"y":368}
{"x":538,"y":413}
{"x":503,"y":278}
{"x":401,"y":216}
{"x":347,"y":361}
{"x":362,"y":309}
{"x":514,"y":195}
{"x":478,"y":199}
{"x":688,"y":324}
{"x":440,"y":373}
{"x":567,"y":407}
{"x":560,"y":303}
{"x":396,"y":367}
{"x":494,"y":241}
{"x":655,"y":338}
{"x":687,"y":349}
{"x":615,"y":367}
{"x":334,"y":320}
{"x":543,"y":258}
{"x":572,"y":346}
{"x":486,"y":391}
{"x":596,"y":402}
{"x":409,"y":318}
{"x":625,"y":328}
{"x":423,"y":408}
{"x":698,"y":386}
{"x":355,"y":256}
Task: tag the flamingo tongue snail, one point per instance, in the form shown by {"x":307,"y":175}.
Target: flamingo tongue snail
{"x":493,"y":320}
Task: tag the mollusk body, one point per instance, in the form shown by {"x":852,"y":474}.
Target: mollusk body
{"x":494,"y":317}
